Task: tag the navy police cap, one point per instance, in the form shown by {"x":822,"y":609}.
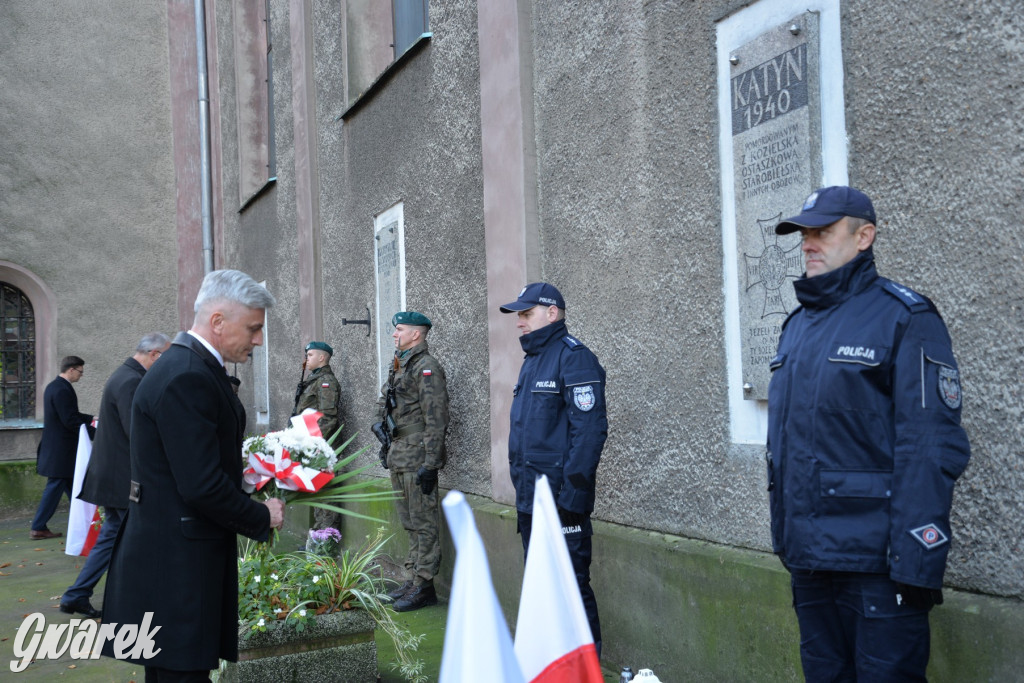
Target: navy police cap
{"x":825,"y":206}
{"x":411,"y":318}
{"x":320,"y":346}
{"x":535,"y":294}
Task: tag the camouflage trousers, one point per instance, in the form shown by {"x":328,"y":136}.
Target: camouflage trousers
{"x":421,"y":518}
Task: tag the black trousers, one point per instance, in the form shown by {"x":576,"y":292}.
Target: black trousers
{"x":852,"y":628}
{"x":580,"y":552}
{"x":157,"y":675}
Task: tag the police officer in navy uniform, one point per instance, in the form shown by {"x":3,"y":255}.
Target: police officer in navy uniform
{"x":864,"y":448}
{"x":558,"y":427}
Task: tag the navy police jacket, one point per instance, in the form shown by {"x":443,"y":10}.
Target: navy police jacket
{"x":558,"y":420}
{"x":864,"y":435}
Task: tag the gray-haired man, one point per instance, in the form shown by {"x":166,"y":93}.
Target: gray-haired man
{"x":176,"y":556}
{"x":109,"y":475}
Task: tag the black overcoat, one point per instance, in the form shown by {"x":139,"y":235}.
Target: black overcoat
{"x":108,"y":478}
{"x":176,"y":553}
{"x":61,"y":421}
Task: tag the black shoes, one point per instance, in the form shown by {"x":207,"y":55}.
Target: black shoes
{"x":399,"y":592}
{"x":420,"y":596}
{"x":81,"y":606}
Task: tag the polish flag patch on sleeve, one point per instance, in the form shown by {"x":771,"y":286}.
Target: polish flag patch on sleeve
{"x":427,"y":373}
{"x":325,"y":385}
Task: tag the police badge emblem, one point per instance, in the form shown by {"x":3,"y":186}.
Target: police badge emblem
{"x":949,"y":387}
{"x":583,"y":397}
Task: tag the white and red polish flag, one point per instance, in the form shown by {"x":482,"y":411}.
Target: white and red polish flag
{"x":553,"y":639}
{"x":84,"y":518}
{"x":308,"y":420}
{"x":477,"y":645}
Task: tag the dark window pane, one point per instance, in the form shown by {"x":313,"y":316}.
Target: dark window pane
{"x":18,"y":357}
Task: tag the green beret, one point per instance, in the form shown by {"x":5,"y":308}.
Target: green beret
{"x":320,"y":346}
{"x":411,"y":318}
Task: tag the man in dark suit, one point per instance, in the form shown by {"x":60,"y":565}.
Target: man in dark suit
{"x":108,"y":478}
{"x":59,"y":444}
{"x":175,"y":558}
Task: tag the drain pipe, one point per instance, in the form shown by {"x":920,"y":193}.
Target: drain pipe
{"x":204,"y":137}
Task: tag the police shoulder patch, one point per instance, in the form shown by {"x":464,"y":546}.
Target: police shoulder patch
{"x":906,"y":296}
{"x":584,"y":397}
{"x":929,"y":535}
{"x":949,"y":387}
{"x":572,"y":342}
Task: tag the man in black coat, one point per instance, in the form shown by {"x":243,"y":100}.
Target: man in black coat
{"x":108,"y":478}
{"x":59,"y":444}
{"x":174,"y":563}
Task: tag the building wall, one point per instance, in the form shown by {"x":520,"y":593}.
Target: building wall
{"x":86,"y":179}
{"x":619,"y":100}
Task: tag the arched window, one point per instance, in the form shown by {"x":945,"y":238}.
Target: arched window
{"x":17,"y":355}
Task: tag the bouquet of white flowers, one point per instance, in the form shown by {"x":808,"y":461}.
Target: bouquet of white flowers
{"x":300,"y":466}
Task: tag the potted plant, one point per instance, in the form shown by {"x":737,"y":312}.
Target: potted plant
{"x":311,"y":615}
{"x":306,"y":616}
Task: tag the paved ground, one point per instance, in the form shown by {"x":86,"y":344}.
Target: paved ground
{"x":33,"y":574}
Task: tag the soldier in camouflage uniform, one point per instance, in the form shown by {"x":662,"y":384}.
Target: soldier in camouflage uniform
{"x":416,"y":420}
{"x":320,"y":391}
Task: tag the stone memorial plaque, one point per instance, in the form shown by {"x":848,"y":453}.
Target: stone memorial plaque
{"x":389,"y":256}
{"x":776,"y":148}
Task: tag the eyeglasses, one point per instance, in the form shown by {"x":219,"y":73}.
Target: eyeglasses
{"x":81,"y":371}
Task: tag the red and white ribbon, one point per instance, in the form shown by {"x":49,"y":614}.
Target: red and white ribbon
{"x":289,"y":475}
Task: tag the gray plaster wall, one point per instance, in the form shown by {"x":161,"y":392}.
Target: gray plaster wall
{"x":87,"y":195}
{"x":630,"y":231}
{"x":416,"y":140}
{"x":940,"y":147}
{"x":630,"y":222}
{"x":260,"y":236}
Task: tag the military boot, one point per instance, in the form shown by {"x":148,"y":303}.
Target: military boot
{"x":397,"y":593}
{"x":420,"y":596}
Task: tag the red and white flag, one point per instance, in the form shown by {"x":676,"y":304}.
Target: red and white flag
{"x":477,"y":645}
{"x":84,"y":519}
{"x":553,"y":639}
{"x":308,"y":421}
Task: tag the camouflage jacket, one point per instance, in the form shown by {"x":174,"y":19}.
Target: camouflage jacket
{"x":320,"y":391}
{"x":421,"y":411}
